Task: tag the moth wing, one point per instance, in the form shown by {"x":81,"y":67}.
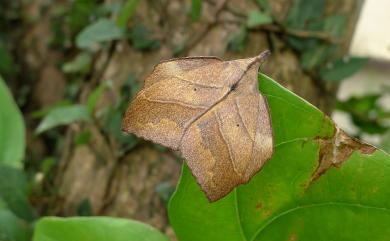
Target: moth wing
{"x":229,"y":144}
{"x":175,"y":67}
{"x":162,"y":111}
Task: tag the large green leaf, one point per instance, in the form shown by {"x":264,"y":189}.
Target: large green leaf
{"x":288,"y":199}
{"x":12,"y":130}
{"x":13,"y":191}
{"x":11,"y":227}
{"x":94,"y":229}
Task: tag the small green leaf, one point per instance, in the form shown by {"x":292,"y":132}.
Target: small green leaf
{"x":63,"y":115}
{"x":304,"y":11}
{"x":265,"y":6}
{"x":142,"y":38}
{"x":126,"y":12}
{"x":83,"y":138}
{"x":335,"y":25}
{"x":80,"y":64}
{"x":94,"y":229}
{"x":12,"y":130}
{"x":103,"y":30}
{"x":196,"y":9}
{"x":256,"y":18}
{"x":238,"y":40}
{"x":366,"y":113}
{"x":95,"y":95}
{"x":315,"y":56}
{"x":80,"y":13}
{"x":342,"y":68}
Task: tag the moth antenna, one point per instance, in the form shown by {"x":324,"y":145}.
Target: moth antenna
{"x":263,"y":56}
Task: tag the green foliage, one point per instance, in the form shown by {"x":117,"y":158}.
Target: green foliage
{"x":63,"y":115}
{"x":142,"y":38}
{"x":308,"y":15}
{"x":80,"y":64}
{"x":95,"y":95}
{"x":79,"y":14}
{"x":265,"y":6}
{"x":342,"y":68}
{"x":304,"y":11}
{"x":126,"y":13}
{"x":7,"y":64}
{"x":256,"y":18}
{"x":366,"y":113}
{"x":238,"y":40}
{"x":315,"y":56}
{"x":15,"y":209}
{"x":11,"y":227}
{"x":94,"y":229}
{"x":12,"y":130}
{"x":102,"y":30}
{"x":283,"y":202}
{"x":13,"y":192}
{"x":196,"y":9}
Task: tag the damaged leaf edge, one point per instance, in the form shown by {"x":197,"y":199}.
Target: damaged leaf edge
{"x":336,"y":150}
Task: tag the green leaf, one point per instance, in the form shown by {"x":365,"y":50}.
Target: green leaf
{"x":11,"y":227}
{"x":342,"y":68}
{"x":95,"y":95}
{"x":83,"y":138}
{"x":366,"y":113}
{"x":12,"y":130}
{"x":80,"y":13}
{"x":315,"y":56}
{"x":196,"y":9}
{"x":103,"y":30}
{"x":238,"y":40}
{"x":63,"y":115}
{"x":304,"y":11}
{"x":142,"y":38}
{"x":265,"y":5}
{"x":282,"y":201}
{"x":94,"y":229}
{"x":7,"y":64}
{"x":126,"y":12}
{"x":13,"y":191}
{"x":256,"y":18}
{"x":80,"y":64}
{"x":335,"y":25}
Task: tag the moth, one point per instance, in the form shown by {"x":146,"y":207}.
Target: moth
{"x":212,"y":112}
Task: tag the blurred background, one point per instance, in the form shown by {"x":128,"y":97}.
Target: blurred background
{"x":72,"y":66}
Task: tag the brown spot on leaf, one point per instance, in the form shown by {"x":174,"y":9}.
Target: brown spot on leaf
{"x":293,"y":237}
{"x":336,"y":150}
{"x":259,"y":205}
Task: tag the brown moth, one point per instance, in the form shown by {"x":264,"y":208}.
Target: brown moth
{"x":212,"y":112}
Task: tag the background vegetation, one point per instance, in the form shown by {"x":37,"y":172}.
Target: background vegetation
{"x":69,"y":69}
